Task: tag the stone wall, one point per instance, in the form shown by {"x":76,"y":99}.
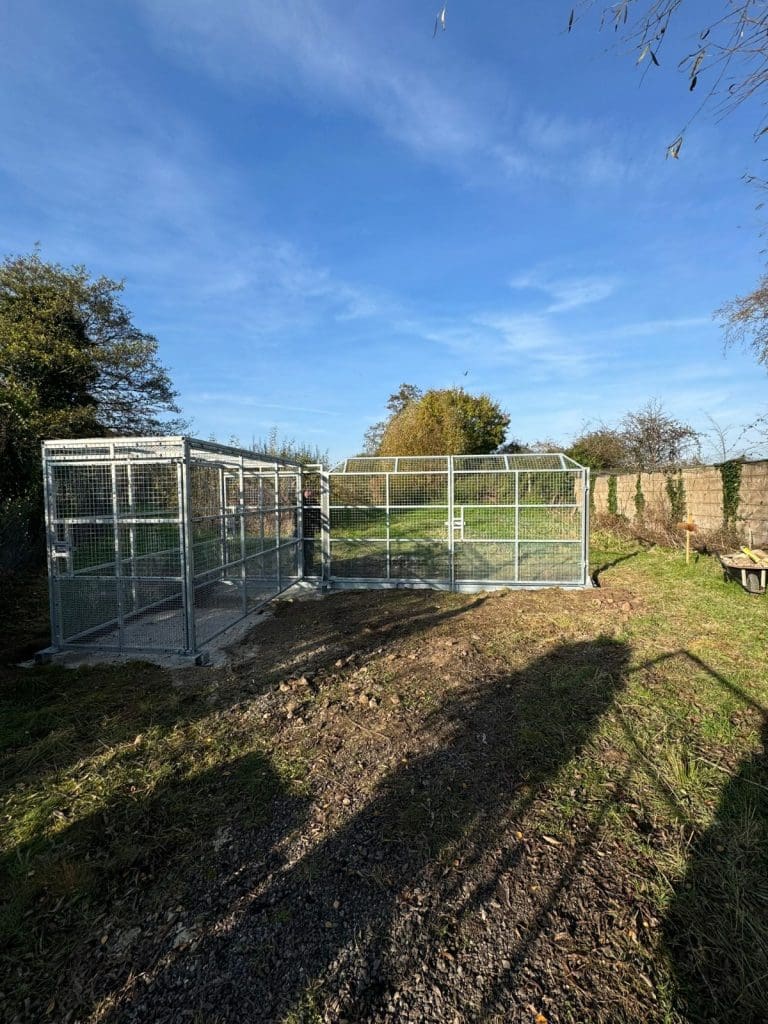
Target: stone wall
{"x":703,"y":497}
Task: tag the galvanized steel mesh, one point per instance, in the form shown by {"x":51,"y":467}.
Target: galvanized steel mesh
{"x":458,"y":522}
{"x":163,"y":543}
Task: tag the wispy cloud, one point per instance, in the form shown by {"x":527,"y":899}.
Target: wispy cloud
{"x":566,"y":293}
{"x":653,"y":328}
{"x":445,"y":110}
{"x":530,"y":344}
{"x":241,"y":398}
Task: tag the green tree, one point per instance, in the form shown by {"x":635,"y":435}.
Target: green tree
{"x":72,"y":363}
{"x":600,"y":448}
{"x":404,"y":395}
{"x":513,"y":447}
{"x":445,"y":422}
{"x":396,"y":403}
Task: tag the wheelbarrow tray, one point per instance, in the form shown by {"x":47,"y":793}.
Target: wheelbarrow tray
{"x":752,"y":577}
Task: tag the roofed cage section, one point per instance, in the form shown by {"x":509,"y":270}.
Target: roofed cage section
{"x":162,"y":543}
{"x":94,"y":449}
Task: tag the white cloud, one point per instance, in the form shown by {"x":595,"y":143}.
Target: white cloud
{"x":379,"y":68}
{"x":566,"y":293}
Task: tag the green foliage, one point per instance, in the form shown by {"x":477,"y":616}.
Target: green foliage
{"x":600,"y":449}
{"x":730,"y":473}
{"x":677,"y":500}
{"x":639,"y":498}
{"x":445,"y":422}
{"x":72,"y":364}
{"x":404,"y":395}
{"x":396,"y":403}
{"x":613,"y":503}
{"x":21,"y":531}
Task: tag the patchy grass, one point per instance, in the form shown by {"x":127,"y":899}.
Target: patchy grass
{"x":548,"y":803}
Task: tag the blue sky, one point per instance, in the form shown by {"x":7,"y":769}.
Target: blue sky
{"x":313,"y":202}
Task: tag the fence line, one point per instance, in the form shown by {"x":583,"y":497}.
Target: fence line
{"x":696,"y":491}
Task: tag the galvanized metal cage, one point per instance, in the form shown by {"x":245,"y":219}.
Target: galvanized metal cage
{"x":162,"y":543}
{"x":461,"y":522}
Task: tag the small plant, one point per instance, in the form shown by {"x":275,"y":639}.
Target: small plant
{"x":730,"y":473}
{"x":639,"y":500}
{"x":613,"y":503}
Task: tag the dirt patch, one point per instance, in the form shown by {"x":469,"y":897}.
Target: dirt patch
{"x":414,"y":877}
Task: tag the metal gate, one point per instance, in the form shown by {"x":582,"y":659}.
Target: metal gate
{"x":464,"y":522}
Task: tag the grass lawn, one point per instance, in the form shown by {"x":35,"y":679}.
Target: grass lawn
{"x":400,"y":806}
{"x":486,"y":523}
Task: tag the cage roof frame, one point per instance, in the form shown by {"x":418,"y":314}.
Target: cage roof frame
{"x":520,"y":461}
{"x":88,"y":446}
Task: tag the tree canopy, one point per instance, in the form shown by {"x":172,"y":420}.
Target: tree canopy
{"x":72,"y":364}
{"x":445,"y":422}
{"x":600,"y":448}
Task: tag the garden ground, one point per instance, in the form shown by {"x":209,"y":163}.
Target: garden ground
{"x":400,"y":806}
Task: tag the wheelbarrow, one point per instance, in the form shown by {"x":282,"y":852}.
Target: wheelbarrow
{"x":753,"y":576}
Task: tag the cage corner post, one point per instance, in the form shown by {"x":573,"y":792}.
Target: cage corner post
{"x":585,"y":527}
{"x":325,"y":526}
{"x":187,"y":551}
{"x":54,"y":604}
{"x":300,"y":523}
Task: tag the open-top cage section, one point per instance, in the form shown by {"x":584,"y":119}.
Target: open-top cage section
{"x":463,"y":522}
{"x":162,"y":543}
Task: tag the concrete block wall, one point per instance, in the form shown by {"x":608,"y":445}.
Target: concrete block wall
{"x":703,"y":494}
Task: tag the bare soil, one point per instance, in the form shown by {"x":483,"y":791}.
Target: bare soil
{"x":413,"y":879}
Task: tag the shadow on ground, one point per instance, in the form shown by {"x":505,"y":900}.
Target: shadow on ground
{"x":379,"y":919}
{"x":716,"y":930}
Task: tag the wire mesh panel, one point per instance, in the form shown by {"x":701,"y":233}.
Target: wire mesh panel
{"x":464,"y":522}
{"x":388,"y":521}
{"x":161,"y":543}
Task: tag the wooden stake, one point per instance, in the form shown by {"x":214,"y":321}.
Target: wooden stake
{"x":689,"y":526}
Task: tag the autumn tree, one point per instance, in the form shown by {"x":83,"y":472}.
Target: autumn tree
{"x":396,"y":403}
{"x":445,"y":422}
